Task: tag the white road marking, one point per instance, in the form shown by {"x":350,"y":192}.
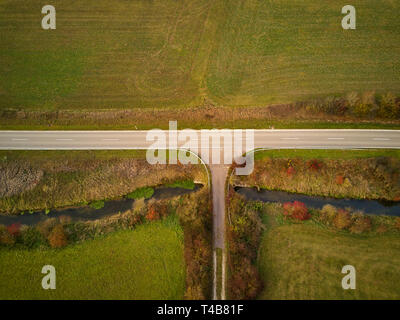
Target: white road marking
{"x":110,"y":139}
{"x":335,"y":138}
{"x":64,"y":139}
{"x":289,"y":138}
{"x":381,"y":139}
{"x":19,"y":139}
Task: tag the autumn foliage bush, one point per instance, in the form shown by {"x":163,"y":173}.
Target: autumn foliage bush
{"x":194,"y":213}
{"x":360,"y":224}
{"x":296,"y":210}
{"x":14,"y":229}
{"x":314,"y":165}
{"x":5,"y":237}
{"x":157,"y":210}
{"x":397,"y":224}
{"x":244,"y":234}
{"x":57,"y":237}
{"x":339,"y":179}
{"x":342,"y":219}
{"x":290,"y":171}
{"x":152,"y":214}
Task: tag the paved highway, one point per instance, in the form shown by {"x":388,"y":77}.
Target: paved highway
{"x":76,"y":140}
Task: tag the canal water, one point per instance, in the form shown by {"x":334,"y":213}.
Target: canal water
{"x":390,"y":208}
{"x":87,"y":213}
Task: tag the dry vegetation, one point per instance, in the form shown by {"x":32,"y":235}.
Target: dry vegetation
{"x":70,"y":178}
{"x":16,"y":178}
{"x":317,"y":113}
{"x":371,"y":178}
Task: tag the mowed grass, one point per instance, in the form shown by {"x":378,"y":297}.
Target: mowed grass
{"x":122,"y":54}
{"x":280,"y":51}
{"x":304,"y":261}
{"x":146,"y":263}
{"x":167,"y":53}
{"x":325,"y":154}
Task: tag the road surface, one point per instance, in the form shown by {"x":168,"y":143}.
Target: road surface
{"x":275,"y":139}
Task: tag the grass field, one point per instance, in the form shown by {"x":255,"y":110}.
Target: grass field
{"x":325,"y":154}
{"x":304,"y":261}
{"x":167,"y":53}
{"x":146,"y":263}
{"x":284,"y":51}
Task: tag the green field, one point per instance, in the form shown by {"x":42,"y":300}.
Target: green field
{"x":304,"y":261}
{"x":166,"y":53}
{"x":284,"y":51}
{"x":146,"y":263}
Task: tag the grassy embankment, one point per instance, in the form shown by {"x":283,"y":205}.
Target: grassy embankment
{"x":48,"y":179}
{"x":372,"y":174}
{"x":167,"y":59}
{"x":303,"y":260}
{"x":144,"y":263}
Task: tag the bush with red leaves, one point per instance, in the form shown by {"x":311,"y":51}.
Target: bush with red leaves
{"x":14,"y":229}
{"x":296,"y":210}
{"x":152,"y":214}
{"x":314,"y":165}
{"x":290,"y":171}
{"x":339,"y":180}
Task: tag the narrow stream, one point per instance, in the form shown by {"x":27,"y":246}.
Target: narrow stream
{"x":375,"y":207}
{"x":87,"y":213}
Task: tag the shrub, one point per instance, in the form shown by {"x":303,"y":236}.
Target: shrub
{"x":146,"y":193}
{"x":328,"y":214}
{"x":32,"y":238}
{"x":362,"y":106}
{"x":388,"y":107}
{"x":5,"y":237}
{"x":296,"y":210}
{"x":14,"y":229}
{"x":57,"y":237}
{"x":134,"y":219}
{"x":339,"y":179}
{"x":347,"y":183}
{"x":184,"y":184}
{"x":45,"y":227}
{"x":97,"y":204}
{"x":342,"y":219}
{"x":397,"y":224}
{"x":381,"y":228}
{"x":353,"y":99}
{"x":314,"y":165}
{"x":152,"y":214}
{"x":290,"y":171}
{"x":360,"y":225}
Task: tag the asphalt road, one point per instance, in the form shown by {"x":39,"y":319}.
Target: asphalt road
{"x":75,"y":140}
